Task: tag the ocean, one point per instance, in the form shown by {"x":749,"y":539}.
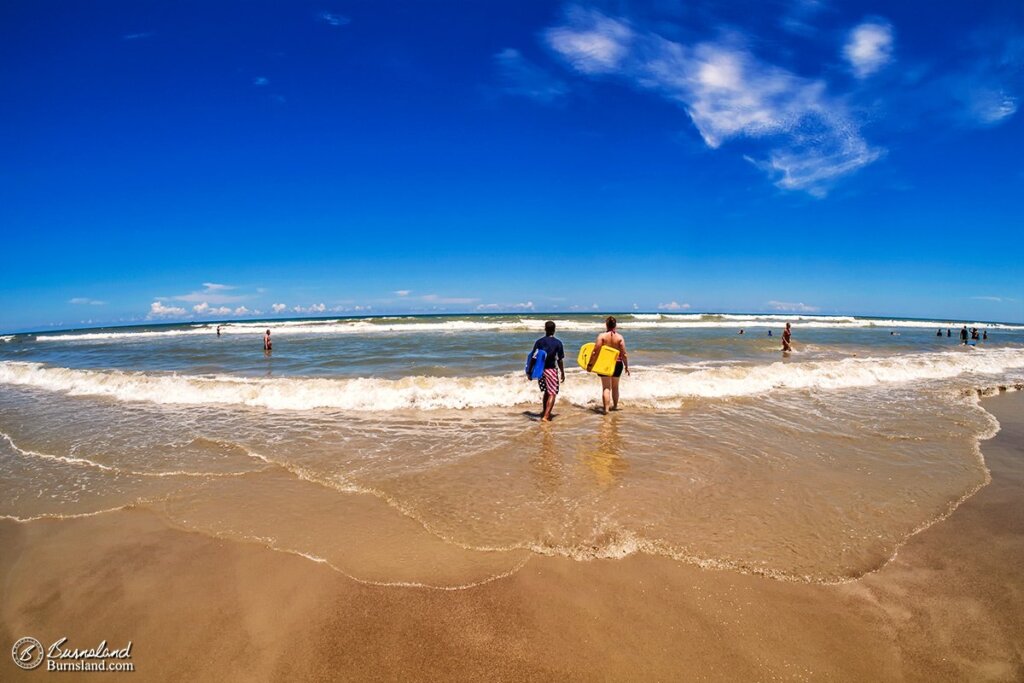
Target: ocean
{"x":407,"y":451}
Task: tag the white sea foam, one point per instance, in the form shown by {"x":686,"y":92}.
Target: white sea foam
{"x":6,"y":338}
{"x":656,"y":386}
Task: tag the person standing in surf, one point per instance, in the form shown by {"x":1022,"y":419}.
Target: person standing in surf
{"x":610,"y":385}
{"x":787,"y":339}
{"x":267,"y":344}
{"x":553,"y":367}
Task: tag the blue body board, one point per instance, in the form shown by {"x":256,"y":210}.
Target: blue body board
{"x":535,"y":365}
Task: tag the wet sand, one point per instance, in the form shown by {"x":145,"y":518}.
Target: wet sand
{"x":950,"y":606}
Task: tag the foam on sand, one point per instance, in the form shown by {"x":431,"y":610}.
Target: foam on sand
{"x":663,"y":386}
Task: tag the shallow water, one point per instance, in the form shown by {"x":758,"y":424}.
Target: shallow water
{"x":407,"y":450}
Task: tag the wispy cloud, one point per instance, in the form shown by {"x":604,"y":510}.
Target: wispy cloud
{"x":869,"y":47}
{"x":403,"y":292}
{"x":798,"y":15}
{"x":277,"y":308}
{"x":211,"y":293}
{"x":988,"y":105}
{"x":592,"y":42}
{"x":82,"y":300}
{"x":728,"y":93}
{"x":157,"y":309}
{"x":523,"y":78}
{"x":137,"y":36}
{"x":997,"y":299}
{"x":524,"y":306}
{"x":260,"y":81}
{"x":332,"y":19}
{"x":790,"y":307}
{"x":671,"y":306}
{"x":453,"y":300}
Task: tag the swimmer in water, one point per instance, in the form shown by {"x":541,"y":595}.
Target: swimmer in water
{"x":787,"y":339}
{"x":267,"y":344}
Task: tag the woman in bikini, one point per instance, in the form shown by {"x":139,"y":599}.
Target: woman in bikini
{"x":610,"y":385}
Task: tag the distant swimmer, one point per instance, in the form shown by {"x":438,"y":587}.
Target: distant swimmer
{"x":939,"y":333}
{"x":549,"y":381}
{"x":218,"y":330}
{"x":974,"y":333}
{"x":963,"y":335}
{"x":949,"y":332}
{"x":984,"y":334}
{"x":787,"y":339}
{"x":741,"y":331}
{"x":610,"y":385}
{"x":267,"y":344}
{"x":769,"y":333}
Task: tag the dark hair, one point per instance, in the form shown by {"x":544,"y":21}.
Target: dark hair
{"x":268,"y":331}
{"x":549,"y":327}
{"x":610,"y":322}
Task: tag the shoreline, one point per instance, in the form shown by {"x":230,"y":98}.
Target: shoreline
{"x":949,"y":604}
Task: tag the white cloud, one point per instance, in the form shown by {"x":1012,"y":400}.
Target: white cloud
{"x":868,"y":47}
{"x":83,"y":300}
{"x":158,"y":310}
{"x":524,"y":306}
{"x":314,"y":308}
{"x":792,"y":307}
{"x":260,"y":81}
{"x":403,"y":292}
{"x":241,"y":310}
{"x":137,"y":36}
{"x":277,"y":308}
{"x":435,"y":299}
{"x":212,"y":293}
{"x":524,"y":78}
{"x":592,"y":42}
{"x":673,"y":306}
{"x":206,"y":309}
{"x":729,"y":93}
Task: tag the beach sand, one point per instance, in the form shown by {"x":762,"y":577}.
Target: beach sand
{"x":950,"y":606}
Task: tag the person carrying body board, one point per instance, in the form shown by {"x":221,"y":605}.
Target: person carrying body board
{"x":610,"y":384}
{"x":550,"y":349}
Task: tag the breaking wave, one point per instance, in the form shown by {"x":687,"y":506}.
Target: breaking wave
{"x":397,"y":325}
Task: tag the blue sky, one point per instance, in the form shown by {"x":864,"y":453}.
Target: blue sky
{"x":196,"y":160}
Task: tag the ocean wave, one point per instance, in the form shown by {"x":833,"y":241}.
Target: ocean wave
{"x":397,"y":325}
{"x":654,"y":386}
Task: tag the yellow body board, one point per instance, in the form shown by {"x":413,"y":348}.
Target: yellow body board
{"x":605,"y":364}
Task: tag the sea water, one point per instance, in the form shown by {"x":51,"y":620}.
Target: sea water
{"x":406,"y":450}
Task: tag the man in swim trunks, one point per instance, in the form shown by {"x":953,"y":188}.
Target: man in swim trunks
{"x":267,"y":344}
{"x":610,"y":385}
{"x":787,"y":339}
{"x":553,"y":367}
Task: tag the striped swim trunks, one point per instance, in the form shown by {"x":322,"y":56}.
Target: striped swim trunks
{"x":549,"y":381}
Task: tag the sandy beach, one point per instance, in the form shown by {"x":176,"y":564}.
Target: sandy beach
{"x":949,"y":606}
